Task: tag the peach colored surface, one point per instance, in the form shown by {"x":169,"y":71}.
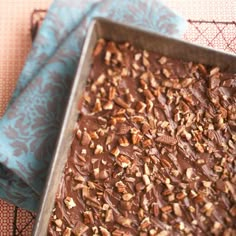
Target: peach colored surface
{"x":15,"y":43}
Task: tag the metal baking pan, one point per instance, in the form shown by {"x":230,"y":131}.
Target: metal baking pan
{"x":103,"y":28}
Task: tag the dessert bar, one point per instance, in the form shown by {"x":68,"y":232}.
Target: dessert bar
{"x":153,"y":150}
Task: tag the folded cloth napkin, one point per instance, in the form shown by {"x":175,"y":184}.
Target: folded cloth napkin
{"x":32,"y":121}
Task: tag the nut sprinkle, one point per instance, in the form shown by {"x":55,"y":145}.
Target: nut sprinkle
{"x":154,"y":150}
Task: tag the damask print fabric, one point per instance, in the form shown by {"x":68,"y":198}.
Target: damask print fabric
{"x":32,"y":121}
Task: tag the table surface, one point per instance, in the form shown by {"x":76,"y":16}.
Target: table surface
{"x":15,"y":44}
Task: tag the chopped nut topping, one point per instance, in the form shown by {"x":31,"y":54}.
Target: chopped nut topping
{"x":214,"y":71}
{"x":217,"y":227}
{"x":136,"y":138}
{"x":67,"y":232}
{"x":140,"y":107}
{"x":109,"y":216}
{"x":206,"y":184}
{"x":104,"y":231}
{"x":108,"y":106}
{"x":146,"y":169}
{"x":123,"y":161}
{"x":112,"y":93}
{"x":166,"y":73}
{"x":218,"y":169}
{"x":233,"y":211}
{"x":163,"y":233}
{"x":58,"y":222}
{"x":148,"y":94}
{"x":165,"y":132}
{"x":98,"y":149}
{"x":115,"y":151}
{"x":79,"y":177}
{"x":186,"y":82}
{"x":181,"y":195}
{"x":146,"y":63}
{"x":199,"y":147}
{"x":135,"y":66}
{"x":97,"y":106}
{"x":88,"y":217}
{"x":189,"y":173}
{"x":147,"y":143}
{"x":69,"y":202}
{"x":121,"y":187}
{"x":85,"y":139}
{"x":166,"y":209}
{"x":99,"y":47}
{"x":121,"y":102}
{"x":180,"y":225}
{"x":153,"y":232}
{"x":146,"y":180}
{"x":163,"y":60}
{"x":166,"y":163}
{"x":166,"y":139}
{"x":126,"y":222}
{"x":177,"y":209}
{"x":123,"y":141}
{"x":80,"y":228}
{"x":145,"y":223}
{"x":127,"y":196}
{"x":137,"y":56}
{"x":100,"y":80}
{"x":150,"y":106}
{"x":93,"y":135}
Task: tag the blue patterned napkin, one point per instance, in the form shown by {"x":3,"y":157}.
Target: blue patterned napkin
{"x":32,"y":121}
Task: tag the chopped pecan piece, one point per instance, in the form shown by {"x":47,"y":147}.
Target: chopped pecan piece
{"x":166,"y":209}
{"x":88,"y":217}
{"x":199,"y":147}
{"x":233,"y":211}
{"x":148,"y":94}
{"x":97,"y":106}
{"x":126,"y":222}
{"x":166,"y":139}
{"x":145,"y":223}
{"x":119,"y":232}
{"x":108,"y":105}
{"x":127,"y":196}
{"x":67,"y":232}
{"x":136,"y":138}
{"x":123,"y":161}
{"x":166,"y":73}
{"x":69,"y":202}
{"x":146,"y":180}
{"x":214,"y":71}
{"x":140,"y":107}
{"x":177,"y":209}
{"x":99,"y":47}
{"x":123,"y":141}
{"x":98,"y":149}
{"x":109,"y":216}
{"x":112,"y":93}
{"x":58,"y":223}
{"x":181,"y":195}
{"x":115,"y":151}
{"x":104,"y":231}
{"x":121,"y":102}
{"x":80,"y":228}
{"x":85,"y":138}
{"x":163,"y":60}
